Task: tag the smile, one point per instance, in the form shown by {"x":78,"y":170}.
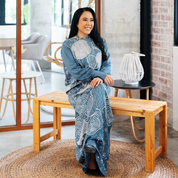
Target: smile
{"x":87,"y":28}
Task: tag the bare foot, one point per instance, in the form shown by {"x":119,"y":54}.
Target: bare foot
{"x":92,"y":164}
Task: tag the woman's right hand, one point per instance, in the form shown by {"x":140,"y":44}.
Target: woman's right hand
{"x":109,"y":80}
{"x":95,"y":82}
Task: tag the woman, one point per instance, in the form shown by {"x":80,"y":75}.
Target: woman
{"x":87,"y":71}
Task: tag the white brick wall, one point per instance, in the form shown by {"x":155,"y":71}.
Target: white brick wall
{"x":162,"y":52}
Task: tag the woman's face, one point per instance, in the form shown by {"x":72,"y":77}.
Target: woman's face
{"x":85,"y":24}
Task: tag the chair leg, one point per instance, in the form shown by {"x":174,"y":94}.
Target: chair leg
{"x":40,"y":72}
{"x":5,"y":106}
{"x":12,"y":57}
{"x":12,"y":98}
{"x":33,"y":66}
{"x":4,"y":60}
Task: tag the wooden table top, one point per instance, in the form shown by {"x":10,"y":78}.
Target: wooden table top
{"x":141,"y":85}
{"x":7,"y":42}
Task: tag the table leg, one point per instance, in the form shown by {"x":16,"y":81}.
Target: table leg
{"x":116,"y":92}
{"x":132,"y":120}
{"x":149,"y":142}
{"x":36,"y":125}
{"x":147,"y":94}
{"x":163,"y":130}
{"x":12,"y":99}
{"x":12,"y":57}
{"x":128,"y":93}
{"x":4,"y":59}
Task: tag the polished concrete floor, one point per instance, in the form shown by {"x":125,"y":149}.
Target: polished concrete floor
{"x":11,"y":141}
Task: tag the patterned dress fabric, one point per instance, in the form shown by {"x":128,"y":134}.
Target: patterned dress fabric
{"x":93,"y":115}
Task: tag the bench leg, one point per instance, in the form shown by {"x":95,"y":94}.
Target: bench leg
{"x":36,"y":125}
{"x":149,"y":142}
{"x":54,"y":120}
{"x":163,"y":130}
{"x":57,"y":122}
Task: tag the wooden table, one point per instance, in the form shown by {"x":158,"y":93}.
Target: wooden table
{"x":7,"y":43}
{"x":142,"y":85}
{"x":122,"y":106}
{"x":29,"y":95}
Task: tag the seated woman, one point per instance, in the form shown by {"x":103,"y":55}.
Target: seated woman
{"x":87,"y":69}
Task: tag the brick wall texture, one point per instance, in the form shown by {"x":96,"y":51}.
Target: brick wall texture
{"x":162,"y":52}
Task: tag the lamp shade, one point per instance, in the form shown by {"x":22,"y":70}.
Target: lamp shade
{"x":131,"y":70}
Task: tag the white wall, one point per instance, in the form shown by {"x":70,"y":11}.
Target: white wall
{"x":58,"y":35}
{"x":175,"y":87}
{"x":41,"y":21}
{"x":120,"y":26}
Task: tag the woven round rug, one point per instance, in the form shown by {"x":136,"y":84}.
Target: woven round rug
{"x":58,"y":159}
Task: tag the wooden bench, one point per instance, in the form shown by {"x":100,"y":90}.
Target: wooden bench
{"x":122,"y":106}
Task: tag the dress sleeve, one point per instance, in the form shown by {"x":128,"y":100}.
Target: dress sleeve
{"x":79,"y":73}
{"x":106,"y":65}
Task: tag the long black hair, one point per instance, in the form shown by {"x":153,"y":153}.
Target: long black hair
{"x":94,"y":33}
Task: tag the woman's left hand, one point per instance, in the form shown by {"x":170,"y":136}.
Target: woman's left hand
{"x":95,"y":82}
{"x":109,"y":80}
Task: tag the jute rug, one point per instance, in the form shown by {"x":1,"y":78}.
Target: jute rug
{"x":57,"y":159}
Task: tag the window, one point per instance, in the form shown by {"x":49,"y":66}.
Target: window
{"x":8,"y":12}
{"x":57,"y":12}
{"x":62,"y":17}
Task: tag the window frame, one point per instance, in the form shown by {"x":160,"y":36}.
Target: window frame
{"x":18,"y":125}
{"x":176,"y":22}
{"x":3,"y":15}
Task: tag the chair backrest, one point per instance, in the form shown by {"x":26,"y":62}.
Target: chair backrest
{"x":41,"y":40}
{"x":36,"y":49}
{"x":31,"y":38}
{"x":55,"y":60}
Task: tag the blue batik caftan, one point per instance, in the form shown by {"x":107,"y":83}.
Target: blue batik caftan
{"x":93,"y":115}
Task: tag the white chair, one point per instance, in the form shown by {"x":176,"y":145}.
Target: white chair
{"x":31,"y":38}
{"x":35,"y":52}
{"x":54,"y":59}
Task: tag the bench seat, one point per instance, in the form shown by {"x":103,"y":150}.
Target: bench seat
{"x":121,"y":106}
